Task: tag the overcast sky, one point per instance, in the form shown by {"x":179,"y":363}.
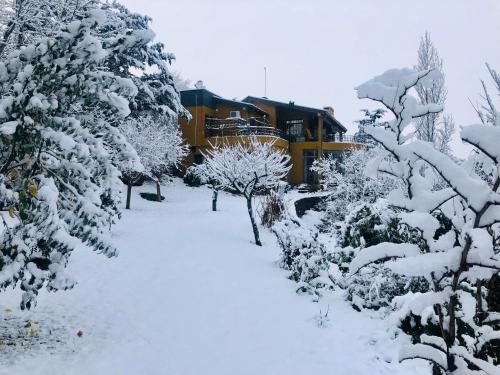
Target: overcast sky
{"x":317,"y":51}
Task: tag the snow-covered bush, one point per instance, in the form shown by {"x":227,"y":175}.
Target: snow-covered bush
{"x":348,"y":184}
{"x":453,"y":260}
{"x":246,"y":168}
{"x":304,"y":256}
{"x":374,"y":285}
{"x":273,"y":206}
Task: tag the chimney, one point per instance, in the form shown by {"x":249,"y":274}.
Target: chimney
{"x":329,"y":110}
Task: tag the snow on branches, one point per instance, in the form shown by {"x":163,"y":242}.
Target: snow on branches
{"x":247,"y":168}
{"x":61,"y":151}
{"x":344,"y":177}
{"x":458,"y":223}
{"x":158,"y":143}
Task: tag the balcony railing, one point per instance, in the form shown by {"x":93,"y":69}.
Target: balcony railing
{"x":234,"y":127}
{"x":341,"y":138}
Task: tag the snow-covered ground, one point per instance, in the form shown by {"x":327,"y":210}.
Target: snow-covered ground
{"x":190,"y":294}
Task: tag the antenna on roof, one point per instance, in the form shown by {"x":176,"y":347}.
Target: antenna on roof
{"x":265,"y":82}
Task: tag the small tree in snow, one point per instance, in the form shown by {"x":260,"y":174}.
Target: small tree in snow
{"x":158,"y":143}
{"x":206,"y":175}
{"x":454,"y":256}
{"x":247,"y":168}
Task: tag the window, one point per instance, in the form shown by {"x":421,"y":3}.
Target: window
{"x":295,"y":129}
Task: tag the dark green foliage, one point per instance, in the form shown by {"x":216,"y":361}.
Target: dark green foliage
{"x":304,"y":257}
{"x":192,"y":179}
{"x":368,"y":226}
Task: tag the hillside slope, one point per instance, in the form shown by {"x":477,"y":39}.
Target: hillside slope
{"x":190,"y":294}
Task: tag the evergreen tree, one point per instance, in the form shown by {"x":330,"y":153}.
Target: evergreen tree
{"x":60,"y":152}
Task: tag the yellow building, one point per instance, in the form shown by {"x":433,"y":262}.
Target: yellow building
{"x":304,"y":133}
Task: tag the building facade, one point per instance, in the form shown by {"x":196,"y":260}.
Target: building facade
{"x":305,"y":133}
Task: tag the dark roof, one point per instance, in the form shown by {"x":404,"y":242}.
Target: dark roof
{"x":190,"y":98}
{"x":324,"y":113}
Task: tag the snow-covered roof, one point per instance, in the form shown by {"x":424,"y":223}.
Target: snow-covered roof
{"x":193,"y":97}
{"x":291,"y":105}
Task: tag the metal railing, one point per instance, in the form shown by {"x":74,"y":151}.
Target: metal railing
{"x":341,"y":138}
{"x":234,"y":127}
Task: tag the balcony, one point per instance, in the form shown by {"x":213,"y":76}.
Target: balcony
{"x":235,"y":127}
{"x":341,"y":138}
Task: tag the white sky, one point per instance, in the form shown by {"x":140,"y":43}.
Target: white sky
{"x":317,"y":51}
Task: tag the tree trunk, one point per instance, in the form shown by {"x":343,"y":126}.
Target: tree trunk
{"x":158,"y":191}
{"x":129,"y":193}
{"x":215,"y":194}
{"x":252,"y":219}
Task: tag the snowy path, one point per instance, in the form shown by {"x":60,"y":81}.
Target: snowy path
{"x":190,"y":295}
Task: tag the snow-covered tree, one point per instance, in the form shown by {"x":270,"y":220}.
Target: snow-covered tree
{"x":247,"y":168}
{"x":146,"y":63}
{"x":458,"y":226}
{"x":158,"y":143}
{"x":60,"y":151}
{"x":157,"y":100}
{"x":431,"y":128}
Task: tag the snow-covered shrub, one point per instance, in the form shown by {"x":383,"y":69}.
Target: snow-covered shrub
{"x":304,"y":257}
{"x":348,"y":184}
{"x":273,"y":206}
{"x":191,"y":177}
{"x":376,"y":286}
{"x":455,"y":257}
{"x":246,"y":168}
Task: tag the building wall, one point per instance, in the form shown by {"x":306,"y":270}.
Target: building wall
{"x":194,"y":135}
